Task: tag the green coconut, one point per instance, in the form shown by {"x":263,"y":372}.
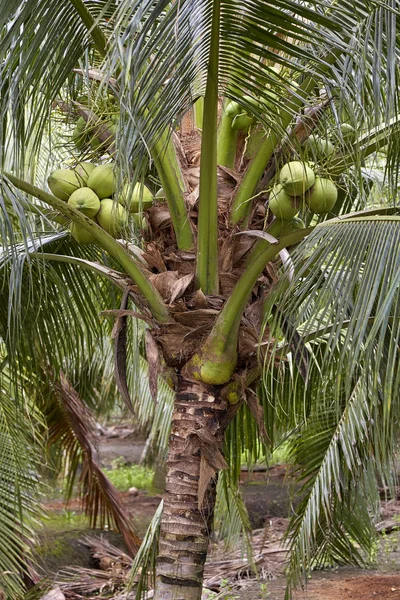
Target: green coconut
{"x":86,"y":201}
{"x":283,"y":206}
{"x":321,"y":198}
{"x":95,"y":143}
{"x":83,"y":169}
{"x":81,"y":124}
{"x":136,"y":199}
{"x":101,"y":181}
{"x":296,"y":178}
{"x":242,"y":122}
{"x":297,"y":223}
{"x":160,"y":195}
{"x":233,"y":109}
{"x":349,"y":134}
{"x":63,"y":182}
{"x":320,"y":147}
{"x":140,"y":221}
{"x":253,"y":102}
{"x":79,"y":138}
{"x":112,"y":217}
{"x":81,"y":235}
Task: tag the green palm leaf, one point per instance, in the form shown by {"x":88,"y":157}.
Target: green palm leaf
{"x":19,"y":485}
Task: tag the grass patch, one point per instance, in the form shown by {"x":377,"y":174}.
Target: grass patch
{"x":126,"y":476}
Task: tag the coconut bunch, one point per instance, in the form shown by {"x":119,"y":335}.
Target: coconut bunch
{"x":85,"y":134}
{"x":299,"y":186}
{"x":91,"y":189}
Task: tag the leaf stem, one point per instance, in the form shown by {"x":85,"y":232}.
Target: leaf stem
{"x":108,"y":243}
{"x":169,"y":171}
{"x":207,"y":245}
{"x":95,"y":31}
{"x":227,"y":139}
{"x":198,"y":111}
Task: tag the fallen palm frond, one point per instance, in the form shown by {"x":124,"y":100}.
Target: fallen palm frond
{"x":268,"y":552}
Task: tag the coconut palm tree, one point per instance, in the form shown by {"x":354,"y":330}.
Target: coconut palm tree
{"x":213,"y":98}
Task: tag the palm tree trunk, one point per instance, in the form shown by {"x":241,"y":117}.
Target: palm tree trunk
{"x":189,"y":499}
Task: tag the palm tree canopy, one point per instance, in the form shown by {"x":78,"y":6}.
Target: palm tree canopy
{"x":337,"y":323}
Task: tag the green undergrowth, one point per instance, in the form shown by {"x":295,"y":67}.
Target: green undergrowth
{"x":125,"y":476}
{"x":64,"y":520}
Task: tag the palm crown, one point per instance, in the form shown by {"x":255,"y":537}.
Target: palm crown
{"x":320,"y":348}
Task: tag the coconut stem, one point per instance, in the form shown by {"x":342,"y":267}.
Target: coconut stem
{"x":227,"y":140}
{"x":98,"y":37}
{"x":108,"y":243}
{"x":198,"y":111}
{"x":207,"y":246}
{"x":219,"y":351}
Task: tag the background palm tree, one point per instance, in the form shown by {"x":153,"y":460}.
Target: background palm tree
{"x":316,"y":356}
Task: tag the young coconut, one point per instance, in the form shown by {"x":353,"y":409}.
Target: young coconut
{"x":136,"y":199}
{"x":320,"y":147}
{"x":79,"y":138}
{"x":233,"y":109}
{"x":63,"y":182}
{"x":112,"y":217}
{"x":86,"y":201}
{"x":283,"y":206}
{"x":296,"y":178}
{"x":160,"y":195}
{"x":297,"y":223}
{"x":81,"y":235}
{"x":242,"y":122}
{"x":101,"y":181}
{"x":349,"y":134}
{"x":83,"y":169}
{"x":321,"y":198}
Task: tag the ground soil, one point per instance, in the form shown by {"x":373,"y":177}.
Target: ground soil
{"x":268,"y":496}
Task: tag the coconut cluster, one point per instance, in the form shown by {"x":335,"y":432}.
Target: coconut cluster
{"x":92,"y":190}
{"x":298,"y":185}
{"x":85,"y":133}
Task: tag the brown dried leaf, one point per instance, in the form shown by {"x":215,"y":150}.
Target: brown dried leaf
{"x":153,"y":360}
{"x":225,"y":258}
{"x":242,"y":246}
{"x":192,"y":198}
{"x":164,"y":282}
{"x":153,"y":257}
{"x":227,"y":282}
{"x":199,"y":299}
{"x":179,"y":288}
{"x":230,"y":174}
{"x":206,"y":475}
{"x":119,"y":333}
{"x":196,"y":318}
{"x":159,"y":217}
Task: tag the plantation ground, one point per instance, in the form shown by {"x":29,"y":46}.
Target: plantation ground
{"x":227,"y":575}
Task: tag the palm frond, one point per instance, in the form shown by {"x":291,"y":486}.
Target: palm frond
{"x":40,"y":44}
{"x":333,"y":521}
{"x":230,"y":503}
{"x":71,"y":424}
{"x":19,"y":486}
{"x":344,"y":303}
{"x":142,"y":575}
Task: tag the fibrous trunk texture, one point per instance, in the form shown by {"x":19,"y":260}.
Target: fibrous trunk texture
{"x":189,"y":499}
